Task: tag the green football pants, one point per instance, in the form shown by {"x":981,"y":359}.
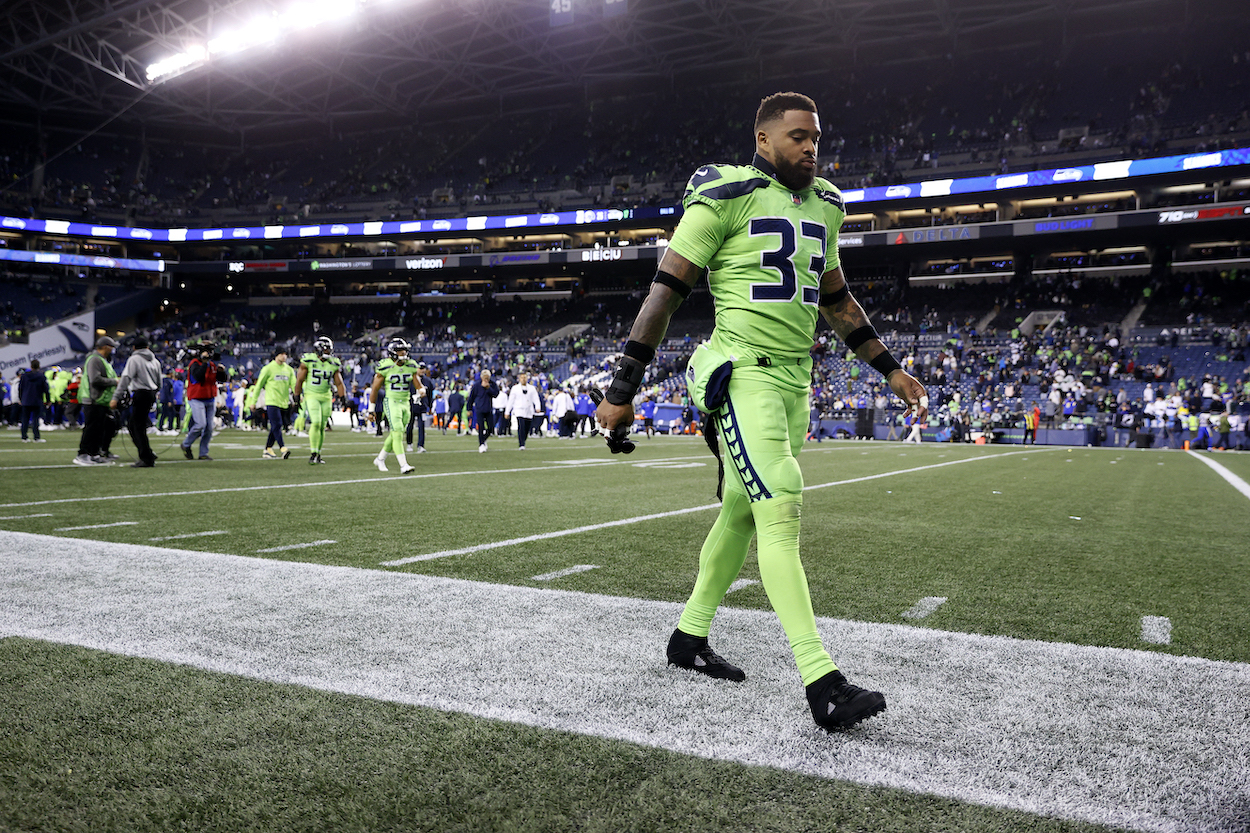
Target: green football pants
{"x":762,"y":427}
{"x":320,"y":409}
{"x":397,"y":411}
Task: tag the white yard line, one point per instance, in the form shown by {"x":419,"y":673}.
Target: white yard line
{"x":95,"y":526}
{"x":22,"y":517}
{"x":577,"y":530}
{"x":1067,"y":731}
{"x":568,"y":571}
{"x":1233,"y":480}
{"x":741,"y":584}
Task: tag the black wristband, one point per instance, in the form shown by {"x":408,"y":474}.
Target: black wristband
{"x":625,"y":381}
{"x":856,"y":338}
{"x":640,"y":352}
{"x":831,"y":298}
{"x":885,"y":364}
{"x":673,"y":283}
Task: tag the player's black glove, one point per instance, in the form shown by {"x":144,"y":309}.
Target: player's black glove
{"x":295,"y":400}
{"x":618,"y":441}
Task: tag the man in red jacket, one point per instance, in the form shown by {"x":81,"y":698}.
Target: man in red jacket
{"x":203,"y":374}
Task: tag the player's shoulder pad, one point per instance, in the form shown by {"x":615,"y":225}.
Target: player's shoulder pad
{"x":308,"y":357}
{"x":385,"y":364}
{"x":712,"y":184}
{"x":827,"y":191}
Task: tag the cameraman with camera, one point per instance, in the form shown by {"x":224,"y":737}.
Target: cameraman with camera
{"x":140,"y":380}
{"x":203,"y":374}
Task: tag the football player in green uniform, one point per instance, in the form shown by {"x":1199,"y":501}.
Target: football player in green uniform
{"x":767,"y":235}
{"x":395,"y":373}
{"x":317,"y":371}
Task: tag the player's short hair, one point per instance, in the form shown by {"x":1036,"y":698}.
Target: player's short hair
{"x":775,"y":105}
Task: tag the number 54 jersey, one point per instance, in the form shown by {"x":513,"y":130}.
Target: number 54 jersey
{"x":765,"y":248}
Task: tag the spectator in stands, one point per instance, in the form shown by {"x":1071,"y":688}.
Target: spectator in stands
{"x":99,"y":380}
{"x":141,"y":378}
{"x":203,"y":373}
{"x":33,"y":393}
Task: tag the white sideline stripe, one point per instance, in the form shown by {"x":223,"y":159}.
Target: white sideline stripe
{"x":20,"y":517}
{"x":190,"y":535}
{"x":1156,"y":630}
{"x":740,"y":584}
{"x":1233,"y":480}
{"x":96,"y":526}
{"x":560,"y":533}
{"x":568,"y":571}
{"x":297,"y":546}
{"x":377,"y":478}
{"x":983,"y":719}
{"x":924,"y":608}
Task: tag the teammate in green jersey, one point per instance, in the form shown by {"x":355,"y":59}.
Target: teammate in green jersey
{"x":396,"y":372}
{"x":317,"y":371}
{"x":275,"y":380}
{"x":767,"y":234}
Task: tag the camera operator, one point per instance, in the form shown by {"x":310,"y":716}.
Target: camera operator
{"x":141,"y":378}
{"x":203,"y":375}
{"x":94,"y":392}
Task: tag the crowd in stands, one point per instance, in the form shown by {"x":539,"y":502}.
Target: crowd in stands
{"x":880,"y":129}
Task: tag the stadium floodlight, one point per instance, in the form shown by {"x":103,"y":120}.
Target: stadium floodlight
{"x":298,"y":16}
{"x":177,"y":63}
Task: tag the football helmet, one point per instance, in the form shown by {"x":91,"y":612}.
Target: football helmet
{"x":323,"y":346}
{"x":396,"y":347}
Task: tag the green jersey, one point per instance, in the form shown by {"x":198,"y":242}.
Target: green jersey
{"x":395,"y":378}
{"x":320,"y":374}
{"x":276,"y":380}
{"x":765,"y":248}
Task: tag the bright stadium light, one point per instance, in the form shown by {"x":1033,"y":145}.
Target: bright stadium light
{"x":299,"y":15}
{"x":177,"y":63}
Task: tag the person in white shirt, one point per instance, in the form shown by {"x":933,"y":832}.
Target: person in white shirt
{"x":523,"y":403}
{"x":500,"y":407}
{"x":564,"y":413}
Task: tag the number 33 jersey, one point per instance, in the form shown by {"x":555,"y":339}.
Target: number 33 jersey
{"x":765,"y":248}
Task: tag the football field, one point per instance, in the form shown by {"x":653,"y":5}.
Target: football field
{"x":1062,"y":636}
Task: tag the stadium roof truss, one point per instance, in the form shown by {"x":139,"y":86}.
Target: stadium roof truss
{"x":396,"y":61}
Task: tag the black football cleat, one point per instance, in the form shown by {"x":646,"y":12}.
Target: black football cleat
{"x":837,"y":705}
{"x":693,"y":653}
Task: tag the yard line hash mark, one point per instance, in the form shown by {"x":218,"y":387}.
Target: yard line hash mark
{"x":1157,"y":630}
{"x":297,"y":546}
{"x":924,"y":608}
{"x":190,"y":535}
{"x":567,"y":571}
{"x":96,"y":526}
